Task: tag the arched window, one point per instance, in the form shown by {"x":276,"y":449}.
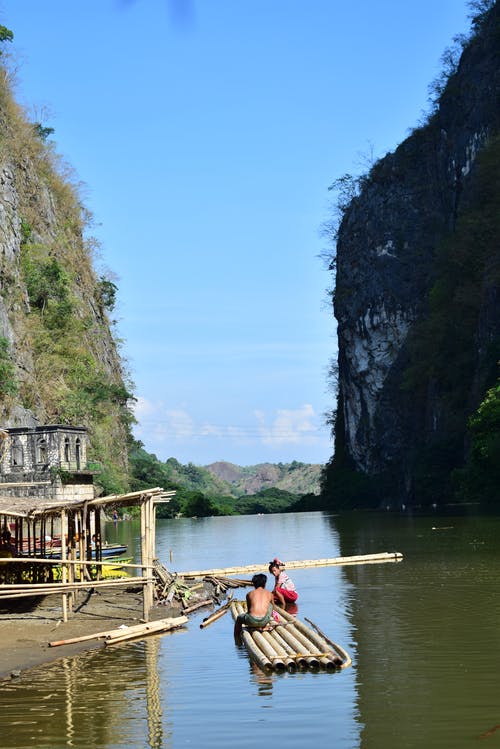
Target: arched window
{"x":67,"y":450}
{"x":16,"y":454}
{"x":78,"y":447}
{"x":42,"y":450}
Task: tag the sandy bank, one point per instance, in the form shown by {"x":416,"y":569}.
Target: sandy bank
{"x":26,"y":628}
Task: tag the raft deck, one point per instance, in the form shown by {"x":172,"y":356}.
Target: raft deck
{"x":290,"y":645}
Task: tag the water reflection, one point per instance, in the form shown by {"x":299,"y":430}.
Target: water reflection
{"x":263,"y":681}
{"x":91,"y":700}
{"x":193,"y":687}
{"x":153,"y":693}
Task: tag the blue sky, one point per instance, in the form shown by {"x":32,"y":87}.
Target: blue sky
{"x":205,"y":134}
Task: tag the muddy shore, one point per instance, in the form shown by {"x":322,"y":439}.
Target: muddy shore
{"x":28,"y":625}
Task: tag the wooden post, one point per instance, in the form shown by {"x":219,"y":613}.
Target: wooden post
{"x":144,"y":557}
{"x":64,"y":571}
{"x":152,"y":546}
{"x":81,"y":539}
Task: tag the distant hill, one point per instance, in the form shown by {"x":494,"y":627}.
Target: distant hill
{"x":225,"y":488}
{"x":295,"y":477}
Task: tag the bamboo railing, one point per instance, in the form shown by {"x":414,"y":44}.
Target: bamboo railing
{"x":67,"y":585}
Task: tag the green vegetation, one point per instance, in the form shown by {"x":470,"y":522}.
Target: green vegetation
{"x":65,"y":367}
{"x":479,"y":480}
{"x":201,"y":494}
{"x":8,"y":382}
{"x":6,"y":35}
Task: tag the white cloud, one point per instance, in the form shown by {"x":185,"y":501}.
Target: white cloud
{"x":177,"y":430}
{"x":289,"y":426}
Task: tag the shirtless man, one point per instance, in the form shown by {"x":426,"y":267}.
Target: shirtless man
{"x":259,"y":606}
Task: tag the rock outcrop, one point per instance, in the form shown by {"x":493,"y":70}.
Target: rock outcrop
{"x":59,"y":361}
{"x":388,"y":263}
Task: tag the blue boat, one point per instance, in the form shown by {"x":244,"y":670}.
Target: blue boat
{"x":107,"y":551}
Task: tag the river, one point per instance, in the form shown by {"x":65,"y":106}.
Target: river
{"x":423,"y":635}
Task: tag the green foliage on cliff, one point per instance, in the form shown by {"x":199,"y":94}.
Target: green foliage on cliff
{"x":65,"y":366}
{"x":8,"y":383}
{"x":479,"y":480}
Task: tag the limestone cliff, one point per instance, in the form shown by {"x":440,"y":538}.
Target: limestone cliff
{"x":59,"y":361}
{"x":421,"y":229}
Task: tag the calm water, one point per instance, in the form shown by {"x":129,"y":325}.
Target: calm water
{"x":423,"y":634}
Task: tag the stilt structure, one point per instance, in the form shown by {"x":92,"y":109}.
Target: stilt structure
{"x":28,"y":552}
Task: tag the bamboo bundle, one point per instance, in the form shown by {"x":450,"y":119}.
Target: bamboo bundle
{"x":343,"y":654}
{"x":268,"y":649}
{"x":307,"y":636}
{"x":142,"y":630}
{"x":303,"y":656}
{"x":394,"y":556}
{"x":83,"y":638}
{"x":285,"y":654}
{"x":299,"y":659}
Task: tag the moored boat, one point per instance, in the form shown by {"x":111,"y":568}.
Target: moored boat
{"x":107,"y":551}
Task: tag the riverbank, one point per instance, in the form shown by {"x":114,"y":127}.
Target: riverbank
{"x":27,"y":626}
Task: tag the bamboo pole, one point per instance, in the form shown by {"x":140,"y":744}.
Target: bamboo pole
{"x":215,"y":615}
{"x":283,"y":655}
{"x":83,"y":638}
{"x":63,"y":566}
{"x":198,"y":605}
{"x":82,"y":539}
{"x":143,"y":557}
{"x":46,"y":589}
{"x":269,"y":651}
{"x":86,"y":562}
{"x":323,"y":655}
{"x":310,"y":659}
{"x":150,"y":512}
{"x":309,"y":637}
{"x":22,"y":587}
{"x":149,"y":628}
{"x":394,"y":556}
{"x":130,"y":631}
{"x":297,"y":659}
{"x":340,"y":650}
{"x":98,"y":537}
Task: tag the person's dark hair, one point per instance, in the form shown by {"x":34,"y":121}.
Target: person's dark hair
{"x":274,"y":564}
{"x":259,"y":580}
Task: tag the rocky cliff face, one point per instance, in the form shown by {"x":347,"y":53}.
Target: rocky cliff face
{"x":59,"y":362}
{"x":389,"y":250}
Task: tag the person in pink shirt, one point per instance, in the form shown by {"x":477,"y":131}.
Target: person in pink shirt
{"x":284,"y":588}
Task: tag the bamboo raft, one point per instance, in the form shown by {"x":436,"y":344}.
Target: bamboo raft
{"x":290,"y":645}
